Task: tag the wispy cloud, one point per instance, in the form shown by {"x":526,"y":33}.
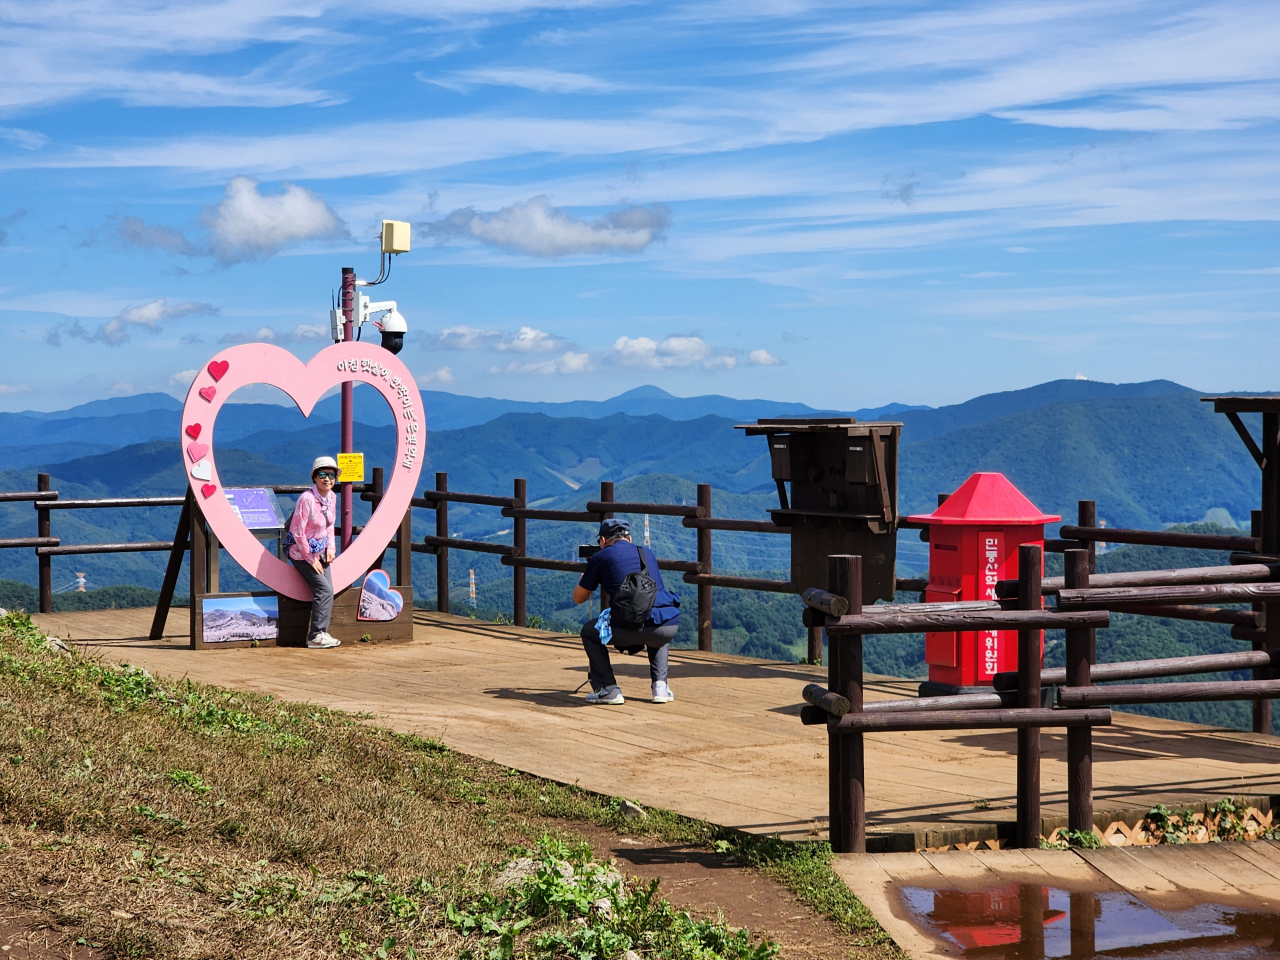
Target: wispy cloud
{"x":303,"y":333}
{"x":149,"y":316}
{"x":567,"y":363}
{"x":538,"y":79}
{"x":538,"y":229}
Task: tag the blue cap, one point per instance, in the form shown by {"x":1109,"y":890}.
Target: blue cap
{"x":614,"y":528}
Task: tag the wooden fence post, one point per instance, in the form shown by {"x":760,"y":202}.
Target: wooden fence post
{"x":44,"y":561}
{"x":1261,"y":708}
{"x":198,"y":572}
{"x":1087,"y":514}
{"x":442,"y":553}
{"x":815,"y":645}
{"x":1080,"y":643}
{"x":848,"y":799}
{"x":181,"y":541}
{"x":704,"y":566}
{"x":1029,"y":570}
{"x":519,"y":575}
{"x":606,"y":496}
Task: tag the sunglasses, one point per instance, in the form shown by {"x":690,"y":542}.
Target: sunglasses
{"x":326,"y":475}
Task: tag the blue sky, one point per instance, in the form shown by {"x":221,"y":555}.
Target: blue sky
{"x":842,"y":204}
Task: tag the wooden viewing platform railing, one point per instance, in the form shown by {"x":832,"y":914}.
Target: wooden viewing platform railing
{"x":1084,"y":604}
{"x":696,"y":517}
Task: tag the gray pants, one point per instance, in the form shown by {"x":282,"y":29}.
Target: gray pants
{"x":655,"y":640}
{"x":322,"y":589}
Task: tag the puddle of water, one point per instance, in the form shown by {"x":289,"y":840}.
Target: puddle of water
{"x":1025,"y":921}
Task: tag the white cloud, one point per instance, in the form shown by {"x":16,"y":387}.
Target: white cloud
{"x":244,"y":225}
{"x":538,"y":229}
{"x":183,"y":378}
{"x":148,"y":316}
{"x":462,"y":337}
{"x":8,"y":389}
{"x":440,"y":375}
{"x":124,"y":388}
{"x":529,"y":340}
{"x":250,"y":225}
{"x":567,"y":363}
{"x":1080,"y":376}
{"x":302,"y":333}
{"x":529,"y":78}
{"x":674,"y":351}
{"x":762,"y":358}
{"x":26,"y":139}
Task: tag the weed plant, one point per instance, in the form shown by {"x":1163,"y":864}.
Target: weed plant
{"x":173,"y":819}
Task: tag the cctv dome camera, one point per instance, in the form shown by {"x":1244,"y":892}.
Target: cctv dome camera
{"x":393,"y":331}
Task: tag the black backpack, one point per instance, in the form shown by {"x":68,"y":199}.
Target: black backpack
{"x":635,"y":598}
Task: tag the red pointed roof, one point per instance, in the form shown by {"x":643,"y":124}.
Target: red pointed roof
{"x":986,"y":498}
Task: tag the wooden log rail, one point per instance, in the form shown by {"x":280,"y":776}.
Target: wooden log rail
{"x":12,"y":496}
{"x":1168,"y":692}
{"x":874,"y":621}
{"x":1160,"y":538}
{"x":1150,"y":669}
{"x":1092,"y":598}
{"x":1008,"y":589}
{"x":79,"y":549}
{"x":814,"y":714}
{"x":1025,"y":718}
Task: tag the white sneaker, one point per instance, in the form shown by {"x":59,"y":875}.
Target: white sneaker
{"x":606,"y":696}
{"x":322,"y":641}
{"x":662,"y":693}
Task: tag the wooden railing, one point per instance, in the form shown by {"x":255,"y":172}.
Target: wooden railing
{"x":47,"y":546}
{"x":694,"y":516}
{"x":1085,"y":601}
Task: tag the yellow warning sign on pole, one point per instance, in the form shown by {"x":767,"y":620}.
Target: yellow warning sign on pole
{"x":351,"y":468}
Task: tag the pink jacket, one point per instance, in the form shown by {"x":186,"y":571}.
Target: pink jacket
{"x":312,"y":527}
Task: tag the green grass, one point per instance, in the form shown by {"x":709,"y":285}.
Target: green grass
{"x":173,"y":819}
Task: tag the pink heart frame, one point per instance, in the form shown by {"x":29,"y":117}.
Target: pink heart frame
{"x":252,"y":363}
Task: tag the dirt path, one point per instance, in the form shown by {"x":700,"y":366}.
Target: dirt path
{"x":704,"y":883}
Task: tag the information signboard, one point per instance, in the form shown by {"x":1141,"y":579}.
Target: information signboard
{"x":351,"y":468}
{"x":257,"y":507}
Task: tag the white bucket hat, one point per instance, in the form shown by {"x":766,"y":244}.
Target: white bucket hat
{"x":323,"y":462}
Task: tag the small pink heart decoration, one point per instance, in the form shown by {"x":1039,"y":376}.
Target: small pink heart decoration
{"x":377,"y":600}
{"x":193,"y":431}
{"x":367,"y":363}
{"x":196,"y":451}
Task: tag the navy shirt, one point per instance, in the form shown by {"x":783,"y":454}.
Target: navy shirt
{"x":610,"y":566}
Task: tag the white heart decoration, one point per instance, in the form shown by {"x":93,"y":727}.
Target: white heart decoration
{"x":202,"y":470}
{"x":252,"y":363}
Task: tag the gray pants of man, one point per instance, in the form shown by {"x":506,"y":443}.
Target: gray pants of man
{"x":656,"y":641}
{"x":321,"y":585}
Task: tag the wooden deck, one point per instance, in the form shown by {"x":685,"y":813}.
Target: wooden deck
{"x":730,"y":749}
{"x":1242,"y":877}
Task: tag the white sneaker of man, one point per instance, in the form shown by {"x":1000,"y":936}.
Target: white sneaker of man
{"x":323,"y":641}
{"x":661,"y":692}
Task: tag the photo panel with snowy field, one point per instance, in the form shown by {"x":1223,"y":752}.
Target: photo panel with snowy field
{"x":230,"y":619}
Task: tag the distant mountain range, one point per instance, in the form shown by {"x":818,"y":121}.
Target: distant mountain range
{"x":1149,"y":453}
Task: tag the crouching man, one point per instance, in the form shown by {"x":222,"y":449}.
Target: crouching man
{"x":643,"y":614}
